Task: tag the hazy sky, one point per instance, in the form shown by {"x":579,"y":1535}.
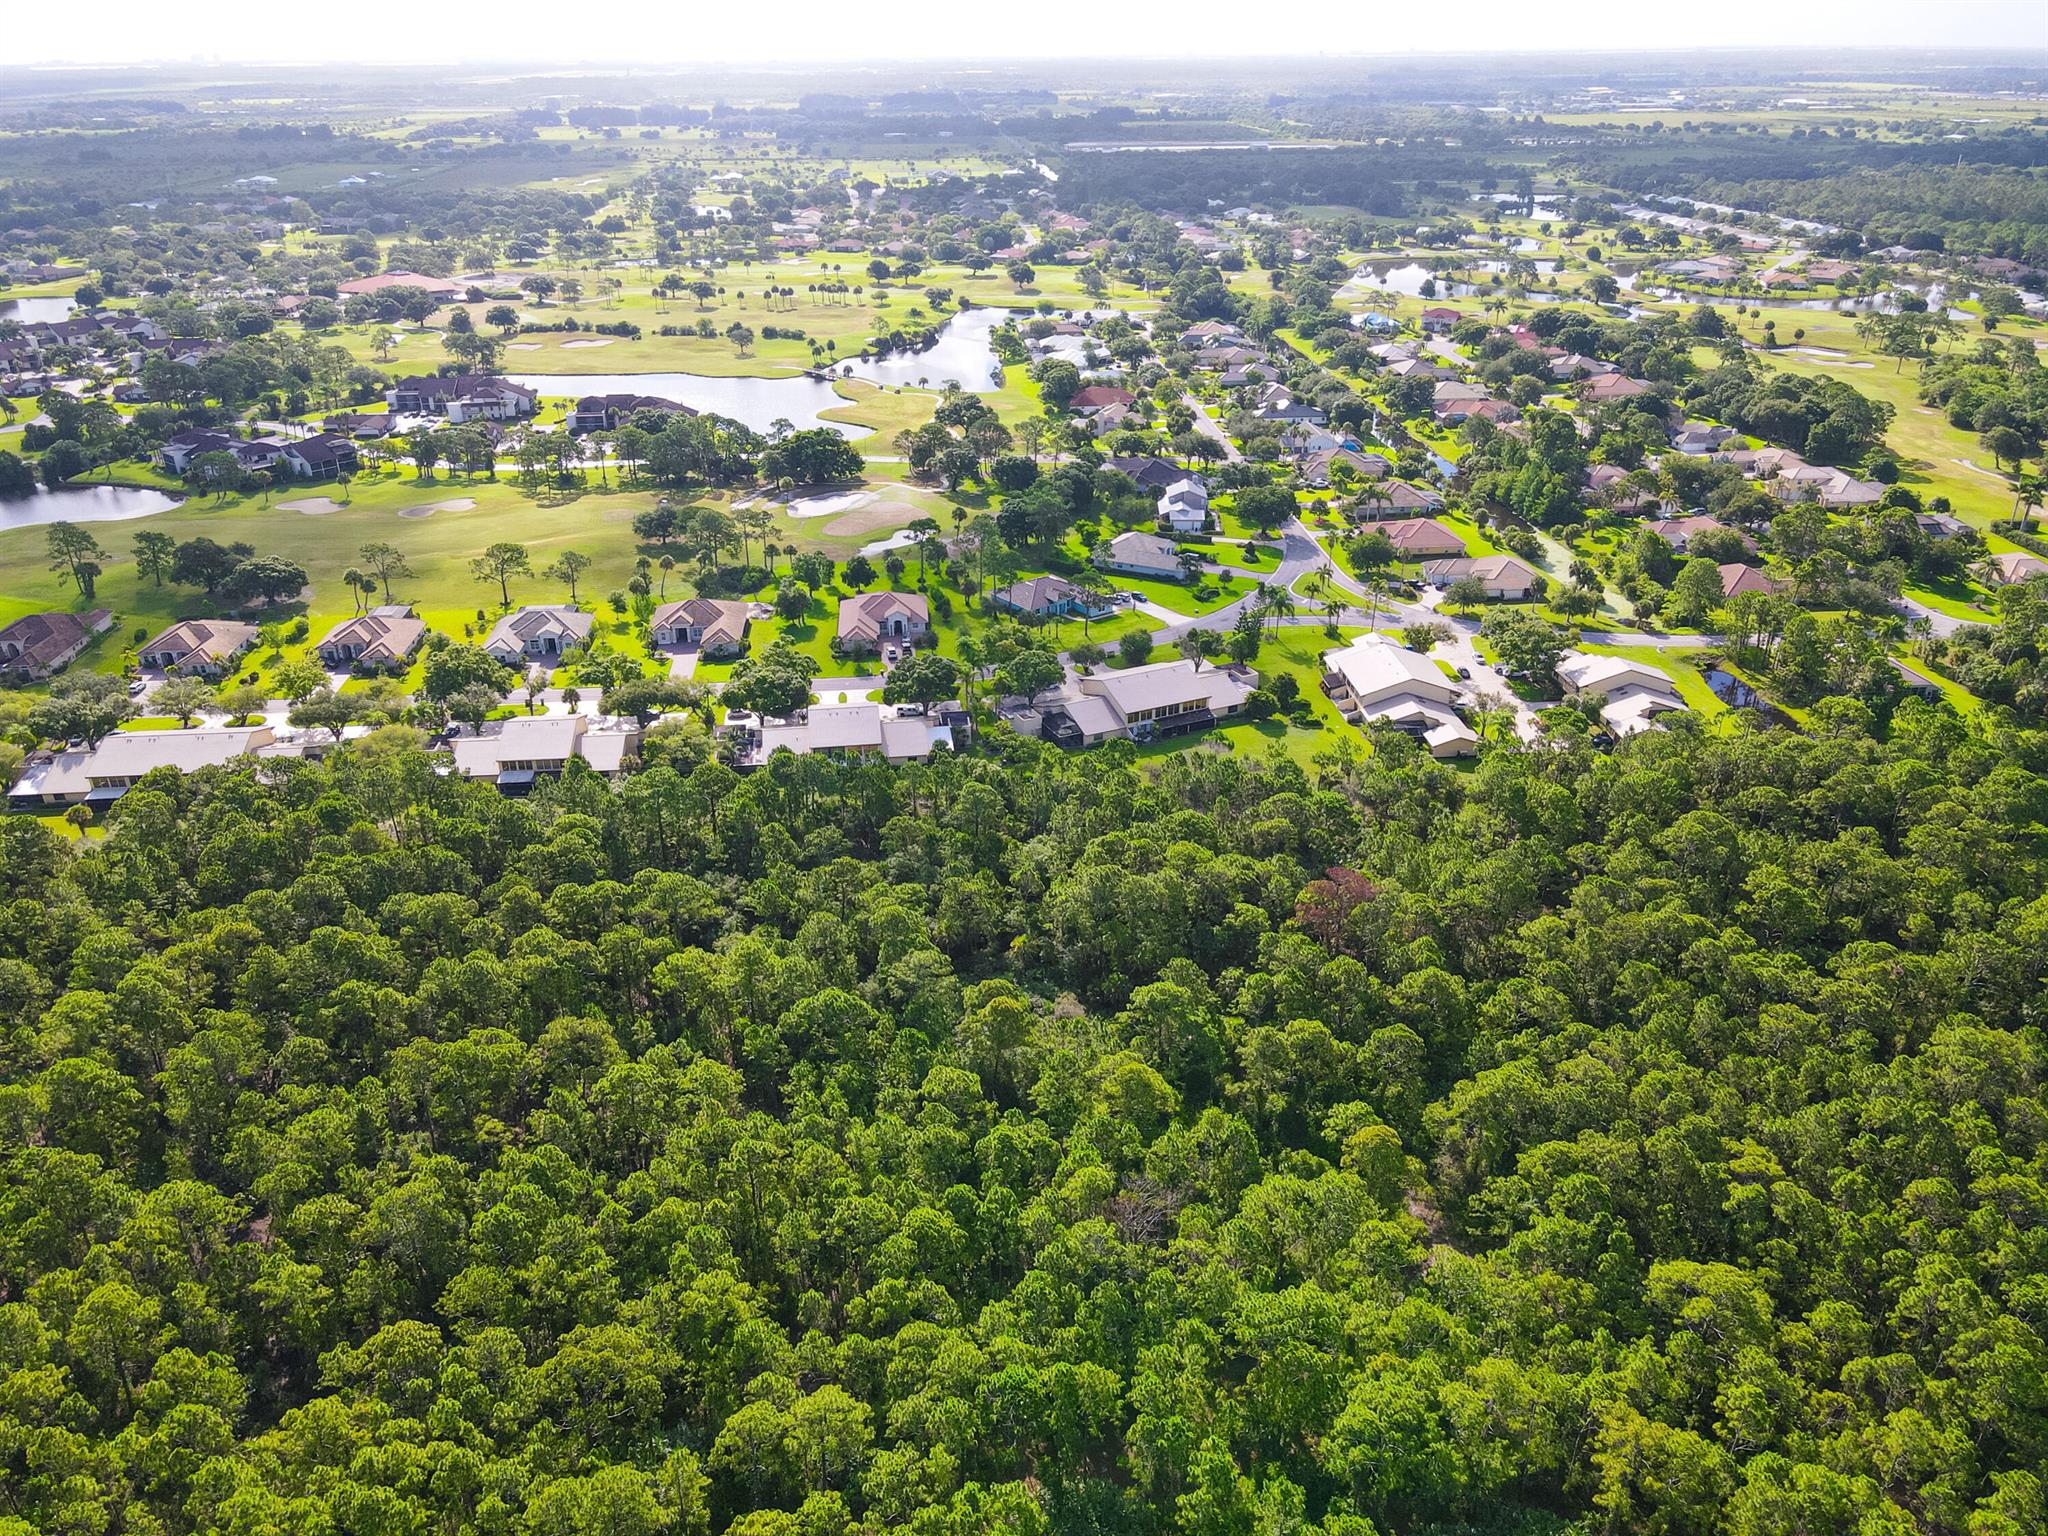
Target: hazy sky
{"x":671,"y":32}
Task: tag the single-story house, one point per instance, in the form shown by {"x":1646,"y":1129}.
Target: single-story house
{"x":1737,"y":579}
{"x":1422,"y":538}
{"x":1153,"y":474}
{"x":1503,"y":576}
{"x":513,"y":753}
{"x":1679,"y":532}
{"x":1374,"y":679}
{"x":872,"y":620}
{"x":707,"y":624}
{"x":1315,"y":471}
{"x":538,"y":633}
{"x":1094,"y":397}
{"x":2012,"y":566}
{"x":98,"y":776}
{"x":202,"y":647}
{"x":1141,"y":554}
{"x":859,"y":731}
{"x":1632,"y":694}
{"x":1044,"y":596}
{"x":37,"y":644}
{"x":382,"y":639}
{"x":1165,"y":699}
{"x":1398,"y":498}
{"x":1611,"y":386}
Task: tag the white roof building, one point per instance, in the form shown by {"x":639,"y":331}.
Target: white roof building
{"x":1375,"y":679}
{"x":513,"y":753}
{"x":864,"y":729}
{"x":1632,"y":694}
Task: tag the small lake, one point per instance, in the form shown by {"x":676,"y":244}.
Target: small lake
{"x":962,"y":352}
{"x":1737,"y":694}
{"x":84,"y":504}
{"x":1409,"y":276}
{"x":37,"y":311}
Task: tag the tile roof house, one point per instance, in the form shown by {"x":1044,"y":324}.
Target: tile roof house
{"x":1737,"y":579}
{"x":1315,"y":470}
{"x":1094,"y":397}
{"x":1437,"y":320}
{"x":1373,"y":679}
{"x":1611,"y":386}
{"x":1141,"y":554}
{"x":1502,"y":575}
{"x":539,"y":633}
{"x":37,"y":644}
{"x":202,"y":646}
{"x":1679,"y":532}
{"x":871,"y":620}
{"x":440,"y":287}
{"x":1397,"y":498}
{"x":707,"y":624}
{"x":385,"y":637}
{"x":1421,"y":538}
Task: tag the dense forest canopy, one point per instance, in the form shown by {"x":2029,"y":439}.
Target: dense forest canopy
{"x":1649,"y":1141}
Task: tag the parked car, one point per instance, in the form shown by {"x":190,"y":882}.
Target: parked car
{"x":137,"y":688}
{"x":1465,"y":673}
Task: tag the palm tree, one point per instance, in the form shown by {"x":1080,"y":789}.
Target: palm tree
{"x":668,"y":563}
{"x":1376,"y":592}
{"x":352,"y":578}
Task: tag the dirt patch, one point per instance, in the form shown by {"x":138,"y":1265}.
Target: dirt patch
{"x":877,"y":514}
{"x":312,"y":506}
{"x":589,"y":341}
{"x":428,"y":509}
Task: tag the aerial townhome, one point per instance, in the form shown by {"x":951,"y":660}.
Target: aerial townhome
{"x":382,"y":640}
{"x":201,"y":647}
{"x":1375,"y":680}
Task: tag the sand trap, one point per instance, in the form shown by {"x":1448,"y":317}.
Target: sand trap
{"x":828,"y":503}
{"x":590,"y":341}
{"x":522,"y":346}
{"x":900,"y":539}
{"x":312,"y":506}
{"x":1842,"y":362}
{"x":1826,"y":354}
{"x":453,"y":504}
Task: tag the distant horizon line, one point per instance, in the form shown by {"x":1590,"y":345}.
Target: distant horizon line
{"x":2021,"y":55}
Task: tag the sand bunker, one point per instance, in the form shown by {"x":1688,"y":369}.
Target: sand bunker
{"x":590,"y":341}
{"x":827,"y":503}
{"x":522,"y":346}
{"x":312,"y":506}
{"x":453,"y":504}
